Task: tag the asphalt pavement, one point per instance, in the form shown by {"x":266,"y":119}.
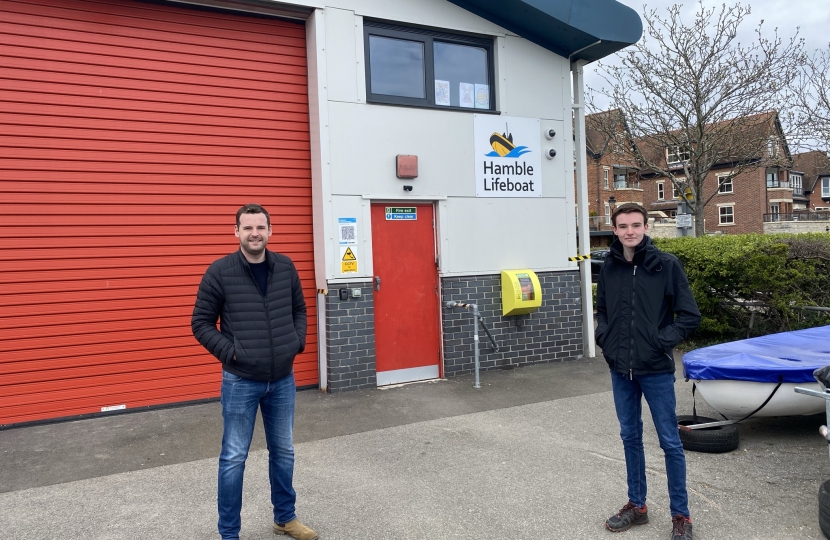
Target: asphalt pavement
{"x":535,"y":453}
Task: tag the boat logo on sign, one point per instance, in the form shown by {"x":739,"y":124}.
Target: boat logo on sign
{"x":503,"y":145}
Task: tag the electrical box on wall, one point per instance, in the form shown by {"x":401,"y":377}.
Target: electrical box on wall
{"x":521,"y":292}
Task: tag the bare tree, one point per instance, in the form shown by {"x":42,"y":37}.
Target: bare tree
{"x":811,"y":101}
{"x":692,"y":97}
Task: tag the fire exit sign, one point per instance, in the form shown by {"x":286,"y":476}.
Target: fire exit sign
{"x":394,"y":213}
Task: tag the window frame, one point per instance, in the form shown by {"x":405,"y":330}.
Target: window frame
{"x":825,"y":187}
{"x":680,"y":150}
{"x":427,"y":37}
{"x":730,"y":214}
{"x":724,"y":183}
{"x":799,"y":180}
{"x":661,"y":191}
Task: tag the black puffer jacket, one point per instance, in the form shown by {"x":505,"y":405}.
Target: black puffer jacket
{"x":636,"y":306}
{"x":264,"y":333}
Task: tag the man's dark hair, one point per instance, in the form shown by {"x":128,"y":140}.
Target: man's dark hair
{"x":253,"y":209}
{"x":629,"y":208}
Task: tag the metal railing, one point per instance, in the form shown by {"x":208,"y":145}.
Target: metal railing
{"x":797,"y":216}
{"x":625,"y":184}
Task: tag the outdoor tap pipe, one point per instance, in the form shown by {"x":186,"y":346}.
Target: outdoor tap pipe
{"x":476,"y":321}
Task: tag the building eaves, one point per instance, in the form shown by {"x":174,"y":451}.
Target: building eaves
{"x":576,"y":29}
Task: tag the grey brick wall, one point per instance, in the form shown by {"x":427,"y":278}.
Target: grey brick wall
{"x":350,"y":339}
{"x":552,"y":333}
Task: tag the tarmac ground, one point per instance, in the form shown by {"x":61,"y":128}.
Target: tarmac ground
{"x":534,"y":454}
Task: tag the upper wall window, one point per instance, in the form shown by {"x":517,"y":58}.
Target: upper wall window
{"x":725,"y":184}
{"x":413,"y":66}
{"x":677,"y":154}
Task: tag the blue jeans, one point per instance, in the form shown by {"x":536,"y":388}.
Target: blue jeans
{"x":659,"y":393}
{"x":240,"y":400}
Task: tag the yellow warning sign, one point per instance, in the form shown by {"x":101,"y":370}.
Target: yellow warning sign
{"x":348,"y":260}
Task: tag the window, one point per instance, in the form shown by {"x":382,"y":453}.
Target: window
{"x":772,"y":147}
{"x":616,"y":148}
{"x":677,"y":154}
{"x":661,"y":194}
{"x":605,"y":177}
{"x":775,"y":211}
{"x":795,"y":183}
{"x":620,"y":181}
{"x":675,"y":193}
{"x":726,"y":215}
{"x":725,"y":184}
{"x":409,"y":66}
{"x":825,"y":187}
{"x":607,"y":214}
{"x":773,"y":181}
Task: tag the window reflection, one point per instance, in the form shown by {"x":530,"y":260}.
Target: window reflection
{"x":397,"y":67}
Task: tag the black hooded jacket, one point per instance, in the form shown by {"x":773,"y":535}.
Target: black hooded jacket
{"x":644,"y":308}
{"x":263,"y":333}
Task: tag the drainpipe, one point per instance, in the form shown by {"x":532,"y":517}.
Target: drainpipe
{"x":589,"y":348}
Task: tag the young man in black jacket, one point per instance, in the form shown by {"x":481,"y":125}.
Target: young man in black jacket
{"x":256,"y":296}
{"x":644,"y":308}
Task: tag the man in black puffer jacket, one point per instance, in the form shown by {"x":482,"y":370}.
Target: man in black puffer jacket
{"x":256,"y":296}
{"x":644,"y":308}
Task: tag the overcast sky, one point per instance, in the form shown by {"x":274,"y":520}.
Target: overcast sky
{"x":810,"y":17}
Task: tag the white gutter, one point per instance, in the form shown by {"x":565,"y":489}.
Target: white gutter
{"x":584,"y":246}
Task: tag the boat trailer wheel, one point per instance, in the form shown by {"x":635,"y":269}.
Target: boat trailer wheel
{"x":714,"y":440}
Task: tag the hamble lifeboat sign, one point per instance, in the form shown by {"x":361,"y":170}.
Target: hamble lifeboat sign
{"x":508,"y":156}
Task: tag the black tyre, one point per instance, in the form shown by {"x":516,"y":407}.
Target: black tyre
{"x":824,"y":508}
{"x":714,"y":440}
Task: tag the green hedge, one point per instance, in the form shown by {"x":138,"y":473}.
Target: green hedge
{"x":770,"y":276}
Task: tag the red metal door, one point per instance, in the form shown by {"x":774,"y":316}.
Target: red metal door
{"x":407,"y":339}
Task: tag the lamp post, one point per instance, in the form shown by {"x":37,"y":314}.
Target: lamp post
{"x":612,"y":202}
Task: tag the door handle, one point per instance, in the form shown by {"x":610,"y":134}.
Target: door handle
{"x":377,"y":283}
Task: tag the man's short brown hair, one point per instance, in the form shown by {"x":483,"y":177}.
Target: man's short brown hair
{"x":629,"y":208}
{"x":253,"y":209}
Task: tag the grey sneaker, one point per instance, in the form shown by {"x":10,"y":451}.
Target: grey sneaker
{"x":681,"y":528}
{"x":628,"y":516}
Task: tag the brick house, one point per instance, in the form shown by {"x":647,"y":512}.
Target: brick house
{"x":613,"y":177}
{"x":815,"y":168}
{"x":743,"y":200}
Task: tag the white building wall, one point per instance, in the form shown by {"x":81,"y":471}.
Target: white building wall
{"x":357,"y":144}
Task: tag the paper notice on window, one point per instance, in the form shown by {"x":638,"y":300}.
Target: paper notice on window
{"x":442,"y":92}
{"x":482,"y":96}
{"x":466,"y":94}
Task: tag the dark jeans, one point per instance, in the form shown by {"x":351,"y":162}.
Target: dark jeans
{"x":659,"y":393}
{"x":240,"y":400}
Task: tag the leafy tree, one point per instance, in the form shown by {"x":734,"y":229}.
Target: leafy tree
{"x":691,"y":97}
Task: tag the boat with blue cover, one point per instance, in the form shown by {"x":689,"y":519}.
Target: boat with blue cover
{"x":758,"y":376}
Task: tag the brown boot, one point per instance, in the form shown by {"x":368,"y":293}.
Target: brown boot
{"x":295,"y":529}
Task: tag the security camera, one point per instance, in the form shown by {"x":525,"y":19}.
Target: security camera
{"x":550,"y":153}
{"x":550,"y":134}
{"x":407,"y":188}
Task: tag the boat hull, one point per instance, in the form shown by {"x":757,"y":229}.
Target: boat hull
{"x":736,"y":399}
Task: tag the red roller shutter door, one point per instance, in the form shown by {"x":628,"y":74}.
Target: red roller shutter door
{"x":130,"y":134}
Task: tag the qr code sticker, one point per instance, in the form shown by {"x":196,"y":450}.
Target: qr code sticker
{"x":347,"y":233}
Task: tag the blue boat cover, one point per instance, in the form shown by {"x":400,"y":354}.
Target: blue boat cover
{"x":787,"y":357}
